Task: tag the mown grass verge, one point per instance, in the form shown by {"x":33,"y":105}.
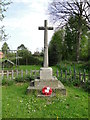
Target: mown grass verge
{"x":17,"y":104}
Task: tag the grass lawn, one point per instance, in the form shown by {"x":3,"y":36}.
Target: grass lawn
{"x":17,"y":104}
{"x":33,"y":67}
{"x":24,"y":67}
{"x":29,"y":67}
{"x":63,"y":65}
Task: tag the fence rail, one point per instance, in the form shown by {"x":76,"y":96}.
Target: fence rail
{"x":82,"y":76}
{"x":11,"y":74}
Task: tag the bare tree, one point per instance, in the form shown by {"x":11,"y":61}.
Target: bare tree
{"x":60,"y":12}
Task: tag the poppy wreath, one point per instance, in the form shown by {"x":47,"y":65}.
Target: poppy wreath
{"x":47,"y":90}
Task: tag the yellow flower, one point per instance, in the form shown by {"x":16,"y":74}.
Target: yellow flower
{"x":44,"y":105}
{"x":21,"y":101}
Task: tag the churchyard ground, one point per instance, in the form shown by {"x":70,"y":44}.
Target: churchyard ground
{"x":17,"y":104}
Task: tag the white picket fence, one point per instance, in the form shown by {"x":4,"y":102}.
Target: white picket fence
{"x":11,"y":74}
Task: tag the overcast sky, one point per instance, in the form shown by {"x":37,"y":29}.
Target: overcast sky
{"x":23,"y":18}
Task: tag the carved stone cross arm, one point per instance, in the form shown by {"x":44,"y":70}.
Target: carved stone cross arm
{"x":45,"y":28}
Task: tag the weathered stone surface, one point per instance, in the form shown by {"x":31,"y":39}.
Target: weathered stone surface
{"x":42,"y":83}
{"x":58,"y":88}
{"x":46,"y":73}
{"x":45,"y":28}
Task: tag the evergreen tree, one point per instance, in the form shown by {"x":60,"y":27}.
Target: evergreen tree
{"x":55,"y":47}
{"x":5,"y":48}
{"x":71,"y":39}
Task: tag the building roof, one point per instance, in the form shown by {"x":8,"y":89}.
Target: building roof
{"x":7,"y":60}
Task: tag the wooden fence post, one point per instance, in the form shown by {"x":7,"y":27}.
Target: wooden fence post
{"x":31,"y":73}
{"x":80,"y":75}
{"x":35,"y":74}
{"x":7,"y":74}
{"x":74,"y":74}
{"x":70,"y":74}
{"x":39,"y":73}
{"x":69,"y":71}
{"x":84,"y":76}
{"x":26,"y":72}
{"x":22,"y":73}
{"x":2,"y":74}
{"x":61,"y":73}
{"x":65,"y":74}
{"x":57,"y":73}
{"x":17,"y":72}
{"x":12,"y":74}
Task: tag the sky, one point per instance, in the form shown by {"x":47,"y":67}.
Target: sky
{"x":23,"y":17}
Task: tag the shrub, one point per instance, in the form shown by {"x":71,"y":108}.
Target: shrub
{"x":4,"y":81}
{"x":66,"y":82}
{"x":27,"y":78}
{"x":10,"y":82}
{"x":7,"y":82}
{"x":19,"y":79}
{"x":76,"y":82}
{"x":86,"y":86}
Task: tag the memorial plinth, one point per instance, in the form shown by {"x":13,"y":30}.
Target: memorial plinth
{"x":46,"y":73}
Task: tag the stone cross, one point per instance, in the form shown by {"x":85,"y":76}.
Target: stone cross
{"x":45,"y":28}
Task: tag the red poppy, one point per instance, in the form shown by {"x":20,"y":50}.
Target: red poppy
{"x":47,"y":91}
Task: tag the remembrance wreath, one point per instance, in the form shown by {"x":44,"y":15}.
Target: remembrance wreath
{"x":47,"y":91}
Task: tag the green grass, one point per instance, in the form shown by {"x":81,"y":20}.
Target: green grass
{"x":64,"y":65}
{"x":24,"y":67}
{"x":17,"y":104}
{"x":29,"y":67}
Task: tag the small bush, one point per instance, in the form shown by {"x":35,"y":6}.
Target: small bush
{"x":86,"y":86}
{"x":4,"y":81}
{"x":66,"y":82}
{"x":19,"y":79}
{"x":10,"y":82}
{"x":27,"y":78}
{"x":7,"y":82}
{"x":76,"y":82}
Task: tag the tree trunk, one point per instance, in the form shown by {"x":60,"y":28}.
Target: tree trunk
{"x":78,"y":45}
{"x":79,"y":31}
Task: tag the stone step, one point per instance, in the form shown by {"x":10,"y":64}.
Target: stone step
{"x":43,"y":83}
{"x":52,"y":95}
{"x":60,"y":89}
